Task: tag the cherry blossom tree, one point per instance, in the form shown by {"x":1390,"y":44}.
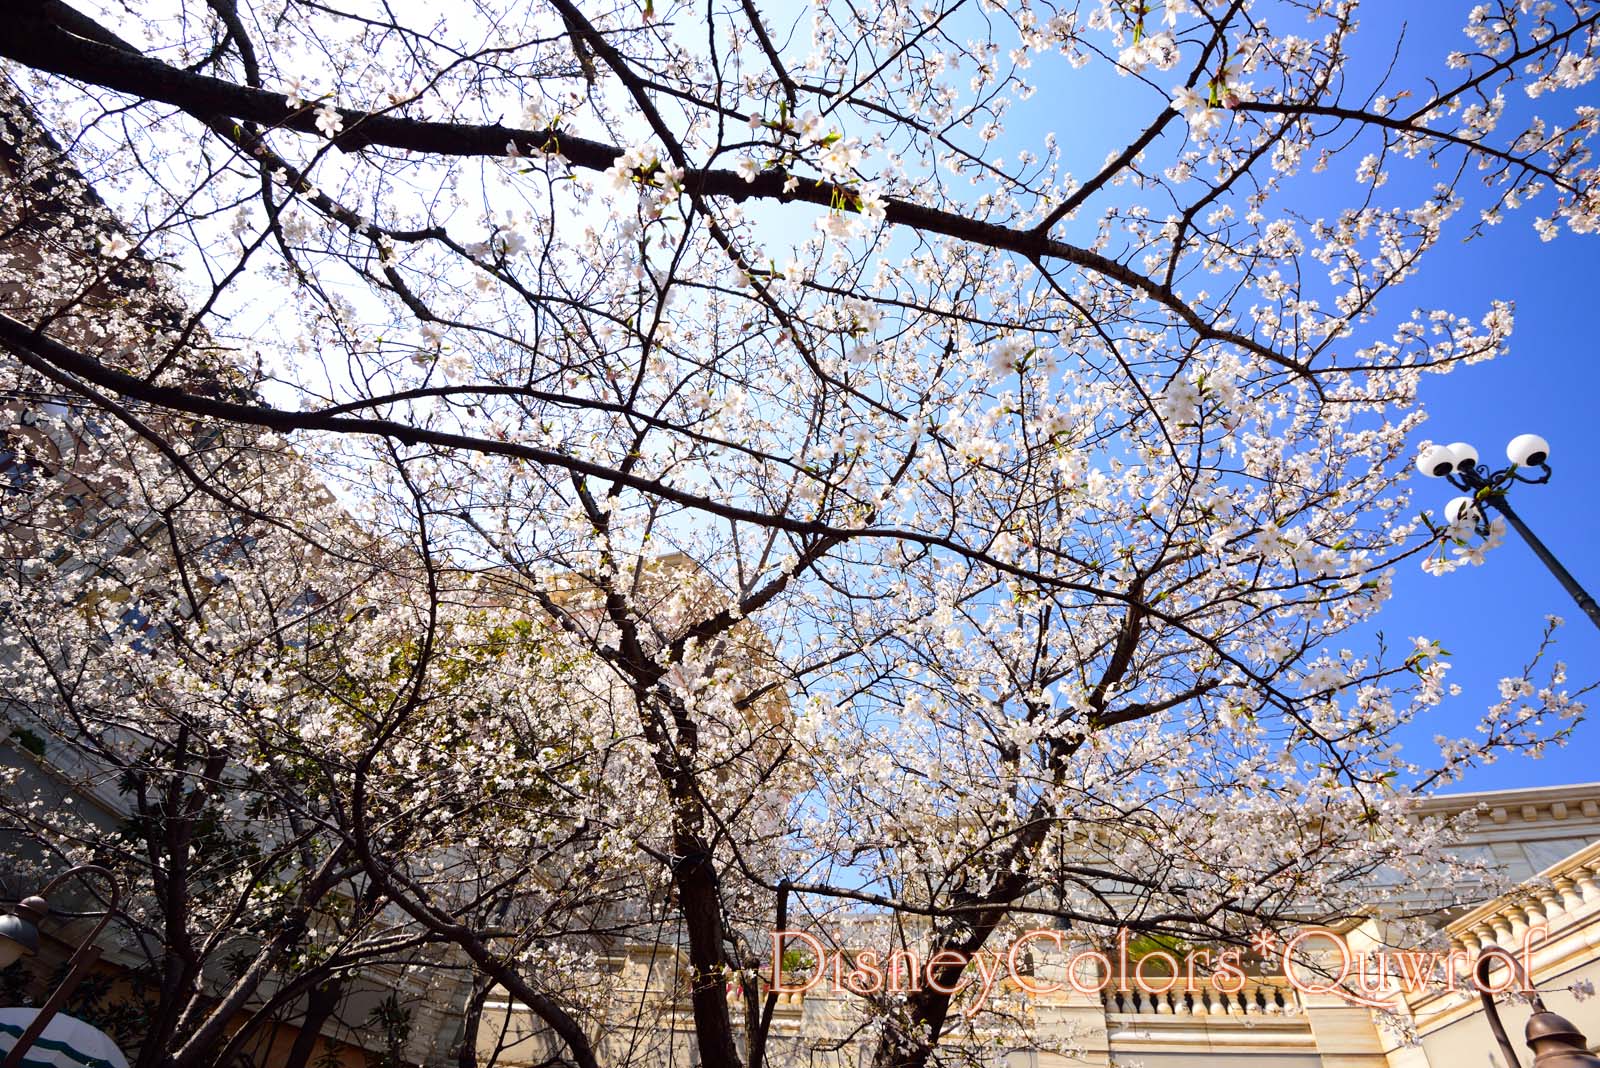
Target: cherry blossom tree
{"x":741,"y":471}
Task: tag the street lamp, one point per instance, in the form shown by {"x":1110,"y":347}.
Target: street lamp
{"x":19,"y":936}
{"x":1458,"y":464}
{"x":1555,"y":1042}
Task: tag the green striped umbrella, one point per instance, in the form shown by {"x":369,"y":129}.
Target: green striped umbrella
{"x":67,"y":1042}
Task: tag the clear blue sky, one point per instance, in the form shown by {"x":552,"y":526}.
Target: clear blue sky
{"x":1489,"y":617}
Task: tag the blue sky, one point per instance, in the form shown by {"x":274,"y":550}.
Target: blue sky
{"x":1490,"y":617}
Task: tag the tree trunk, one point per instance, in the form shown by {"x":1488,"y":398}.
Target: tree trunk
{"x":320,"y":1004}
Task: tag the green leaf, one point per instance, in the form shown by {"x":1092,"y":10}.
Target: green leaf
{"x":28,"y":740}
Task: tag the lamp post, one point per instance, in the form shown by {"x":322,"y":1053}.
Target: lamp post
{"x":19,"y":936}
{"x":1555,"y":1042}
{"x":1458,"y":464}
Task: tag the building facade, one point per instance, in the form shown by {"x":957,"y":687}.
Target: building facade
{"x":1545,"y":840}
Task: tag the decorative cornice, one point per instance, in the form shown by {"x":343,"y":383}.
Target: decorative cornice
{"x":1527,"y":804}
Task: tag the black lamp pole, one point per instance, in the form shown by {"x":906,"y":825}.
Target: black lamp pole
{"x":1458,"y":464}
{"x":1499,"y":503}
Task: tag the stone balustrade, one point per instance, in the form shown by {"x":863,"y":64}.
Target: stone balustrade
{"x":1258,"y":997}
{"x":1557,"y":897}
